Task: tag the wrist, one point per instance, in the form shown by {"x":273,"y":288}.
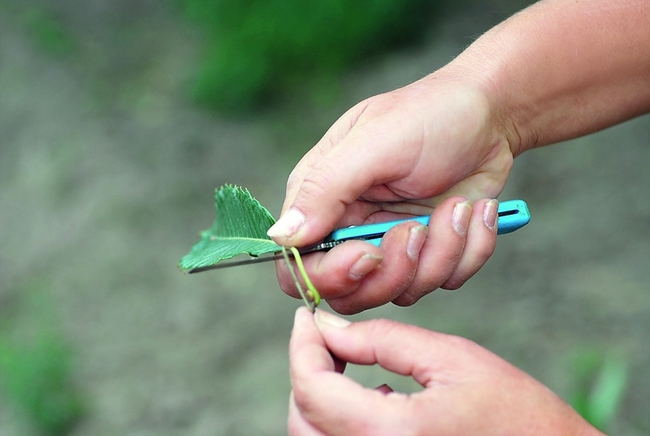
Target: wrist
{"x":561,"y":69}
{"x":484,"y":66}
{"x":477,"y":76}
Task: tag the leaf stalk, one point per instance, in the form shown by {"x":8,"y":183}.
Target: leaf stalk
{"x":311,"y":296}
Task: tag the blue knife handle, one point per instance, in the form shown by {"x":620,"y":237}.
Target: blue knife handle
{"x":513,"y":215}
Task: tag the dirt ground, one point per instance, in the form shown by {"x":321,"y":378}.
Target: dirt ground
{"x":106,"y":176}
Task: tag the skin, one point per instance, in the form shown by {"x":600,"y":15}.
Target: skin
{"x":456,"y":376}
{"x":445,"y":145}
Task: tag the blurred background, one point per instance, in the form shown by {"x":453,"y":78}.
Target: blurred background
{"x":119,"y":118}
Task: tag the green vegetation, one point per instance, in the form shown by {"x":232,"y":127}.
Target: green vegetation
{"x":36,"y":372}
{"x":36,"y":379}
{"x":310,"y":296}
{"x":239,"y":227}
{"x":48,"y":32}
{"x":259,"y":49}
{"x":601,"y":383}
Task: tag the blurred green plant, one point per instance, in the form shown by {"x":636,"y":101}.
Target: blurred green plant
{"x":259,"y":49}
{"x":36,"y":372}
{"x":601,"y":381}
{"x":48,"y":32}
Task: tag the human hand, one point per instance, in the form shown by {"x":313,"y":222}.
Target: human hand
{"x":433,"y":144}
{"x":467,"y":389}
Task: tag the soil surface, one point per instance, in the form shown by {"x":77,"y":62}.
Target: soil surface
{"x":106,"y":175}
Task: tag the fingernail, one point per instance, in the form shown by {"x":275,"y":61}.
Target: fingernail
{"x":490,"y":213}
{"x":417,"y":236}
{"x":460,"y":217}
{"x":288,"y":225}
{"x":325,"y":318}
{"x":364,"y":265}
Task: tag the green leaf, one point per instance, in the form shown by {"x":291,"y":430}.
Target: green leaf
{"x":239,"y":227}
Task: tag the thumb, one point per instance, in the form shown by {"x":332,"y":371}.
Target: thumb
{"x":323,"y":194}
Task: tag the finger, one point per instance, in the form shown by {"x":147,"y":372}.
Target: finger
{"x":467,"y":388}
{"x":384,"y":389}
{"x":488,"y":182}
{"x":307,"y":345}
{"x":400,"y":247}
{"x":296,"y":424}
{"x":322,"y":197}
{"x":442,"y":250}
{"x":332,"y":138}
{"x":429,"y":357}
{"x":336,"y":181}
{"x":329,"y":401}
{"x":480,"y":244}
{"x":335,"y":273}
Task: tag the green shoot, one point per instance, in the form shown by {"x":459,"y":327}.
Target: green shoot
{"x":311,"y":297}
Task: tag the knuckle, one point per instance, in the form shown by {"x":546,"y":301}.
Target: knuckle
{"x":303,"y":396}
{"x":313,"y":189}
{"x":406,"y":299}
{"x":482,"y":254}
{"x":453,"y":283}
{"x":314,"y":183}
{"x":414,"y":293}
{"x":345,"y":307}
{"x":294,"y":179}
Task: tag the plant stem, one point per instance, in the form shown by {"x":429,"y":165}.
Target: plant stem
{"x":312,"y":292}
{"x":311,"y":297}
